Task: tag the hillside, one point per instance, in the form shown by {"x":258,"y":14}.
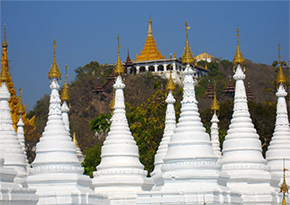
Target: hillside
{"x":87,"y":104}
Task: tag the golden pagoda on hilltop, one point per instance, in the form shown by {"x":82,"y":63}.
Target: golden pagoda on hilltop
{"x":150,"y":50}
{"x":13,"y":101}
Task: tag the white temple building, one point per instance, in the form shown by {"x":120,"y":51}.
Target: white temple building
{"x":120,"y":174}
{"x":242,"y":154}
{"x":56,"y":172}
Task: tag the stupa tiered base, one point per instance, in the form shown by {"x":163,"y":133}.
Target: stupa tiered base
{"x":10,"y":192}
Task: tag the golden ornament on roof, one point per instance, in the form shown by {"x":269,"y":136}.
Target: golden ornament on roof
{"x":280,"y":77}
{"x":284,"y":188}
{"x":150,"y":50}
{"x":187,"y":57}
{"x":238,"y":58}
{"x":214,"y":104}
{"x":64,"y":95}
{"x":119,"y":69}
{"x":54,"y":70}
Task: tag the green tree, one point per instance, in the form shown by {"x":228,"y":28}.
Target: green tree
{"x":92,"y":160}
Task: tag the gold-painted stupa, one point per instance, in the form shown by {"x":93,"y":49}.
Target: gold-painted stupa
{"x":150,"y":50}
{"x":13,"y":101}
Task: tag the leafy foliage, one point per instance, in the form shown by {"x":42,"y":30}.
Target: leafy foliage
{"x":92,"y":160}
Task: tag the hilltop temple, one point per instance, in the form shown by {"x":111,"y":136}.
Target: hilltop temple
{"x":150,"y":59}
{"x":189,"y":165}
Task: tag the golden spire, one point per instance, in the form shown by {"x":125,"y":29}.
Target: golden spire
{"x":187,"y":57}
{"x":4,"y":44}
{"x":205,"y":67}
{"x":238,"y":58}
{"x":118,"y":69}
{"x":112,"y":103}
{"x":170,"y":84}
{"x":281,"y":77}
{"x":150,"y":33}
{"x":21,"y":109}
{"x":174,"y":56}
{"x":54,"y":70}
{"x":284,"y":187}
{"x":75,"y":140}
{"x":214,"y":105}
{"x":64,"y":95}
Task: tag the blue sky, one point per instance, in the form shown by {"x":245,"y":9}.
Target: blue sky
{"x":87,"y":31}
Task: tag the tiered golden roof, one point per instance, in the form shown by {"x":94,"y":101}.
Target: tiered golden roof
{"x":280,"y":77}
{"x":54,"y":70}
{"x":238,"y":58}
{"x":13,"y":100}
{"x":118,"y":69}
{"x":203,"y":56}
{"x":64,"y":95}
{"x":150,"y":50}
{"x":214,"y":105}
{"x":187,"y":57}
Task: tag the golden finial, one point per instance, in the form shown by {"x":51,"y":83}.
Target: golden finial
{"x":64,"y":95}
{"x":284,"y":187}
{"x":112,"y":103}
{"x":214,"y":105}
{"x":170,"y":84}
{"x":4,"y":44}
{"x":21,"y":109}
{"x":75,"y":140}
{"x":54,"y":70}
{"x":150,"y":33}
{"x":187,"y":57}
{"x":174,"y":56}
{"x":281,"y":77}
{"x":205,"y":67}
{"x":238,"y":58}
{"x":118,"y":69}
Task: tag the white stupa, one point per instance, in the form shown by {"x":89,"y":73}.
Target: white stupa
{"x":214,"y":129}
{"x":20,"y":125}
{"x":170,"y":125}
{"x":191,"y":171}
{"x":120,"y":173}
{"x":64,"y":112}
{"x":242,"y":154}
{"x":278,"y":154}
{"x":56,"y":172}
{"x":79,"y":152}
{"x":12,"y":193}
{"x":10,"y":149}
